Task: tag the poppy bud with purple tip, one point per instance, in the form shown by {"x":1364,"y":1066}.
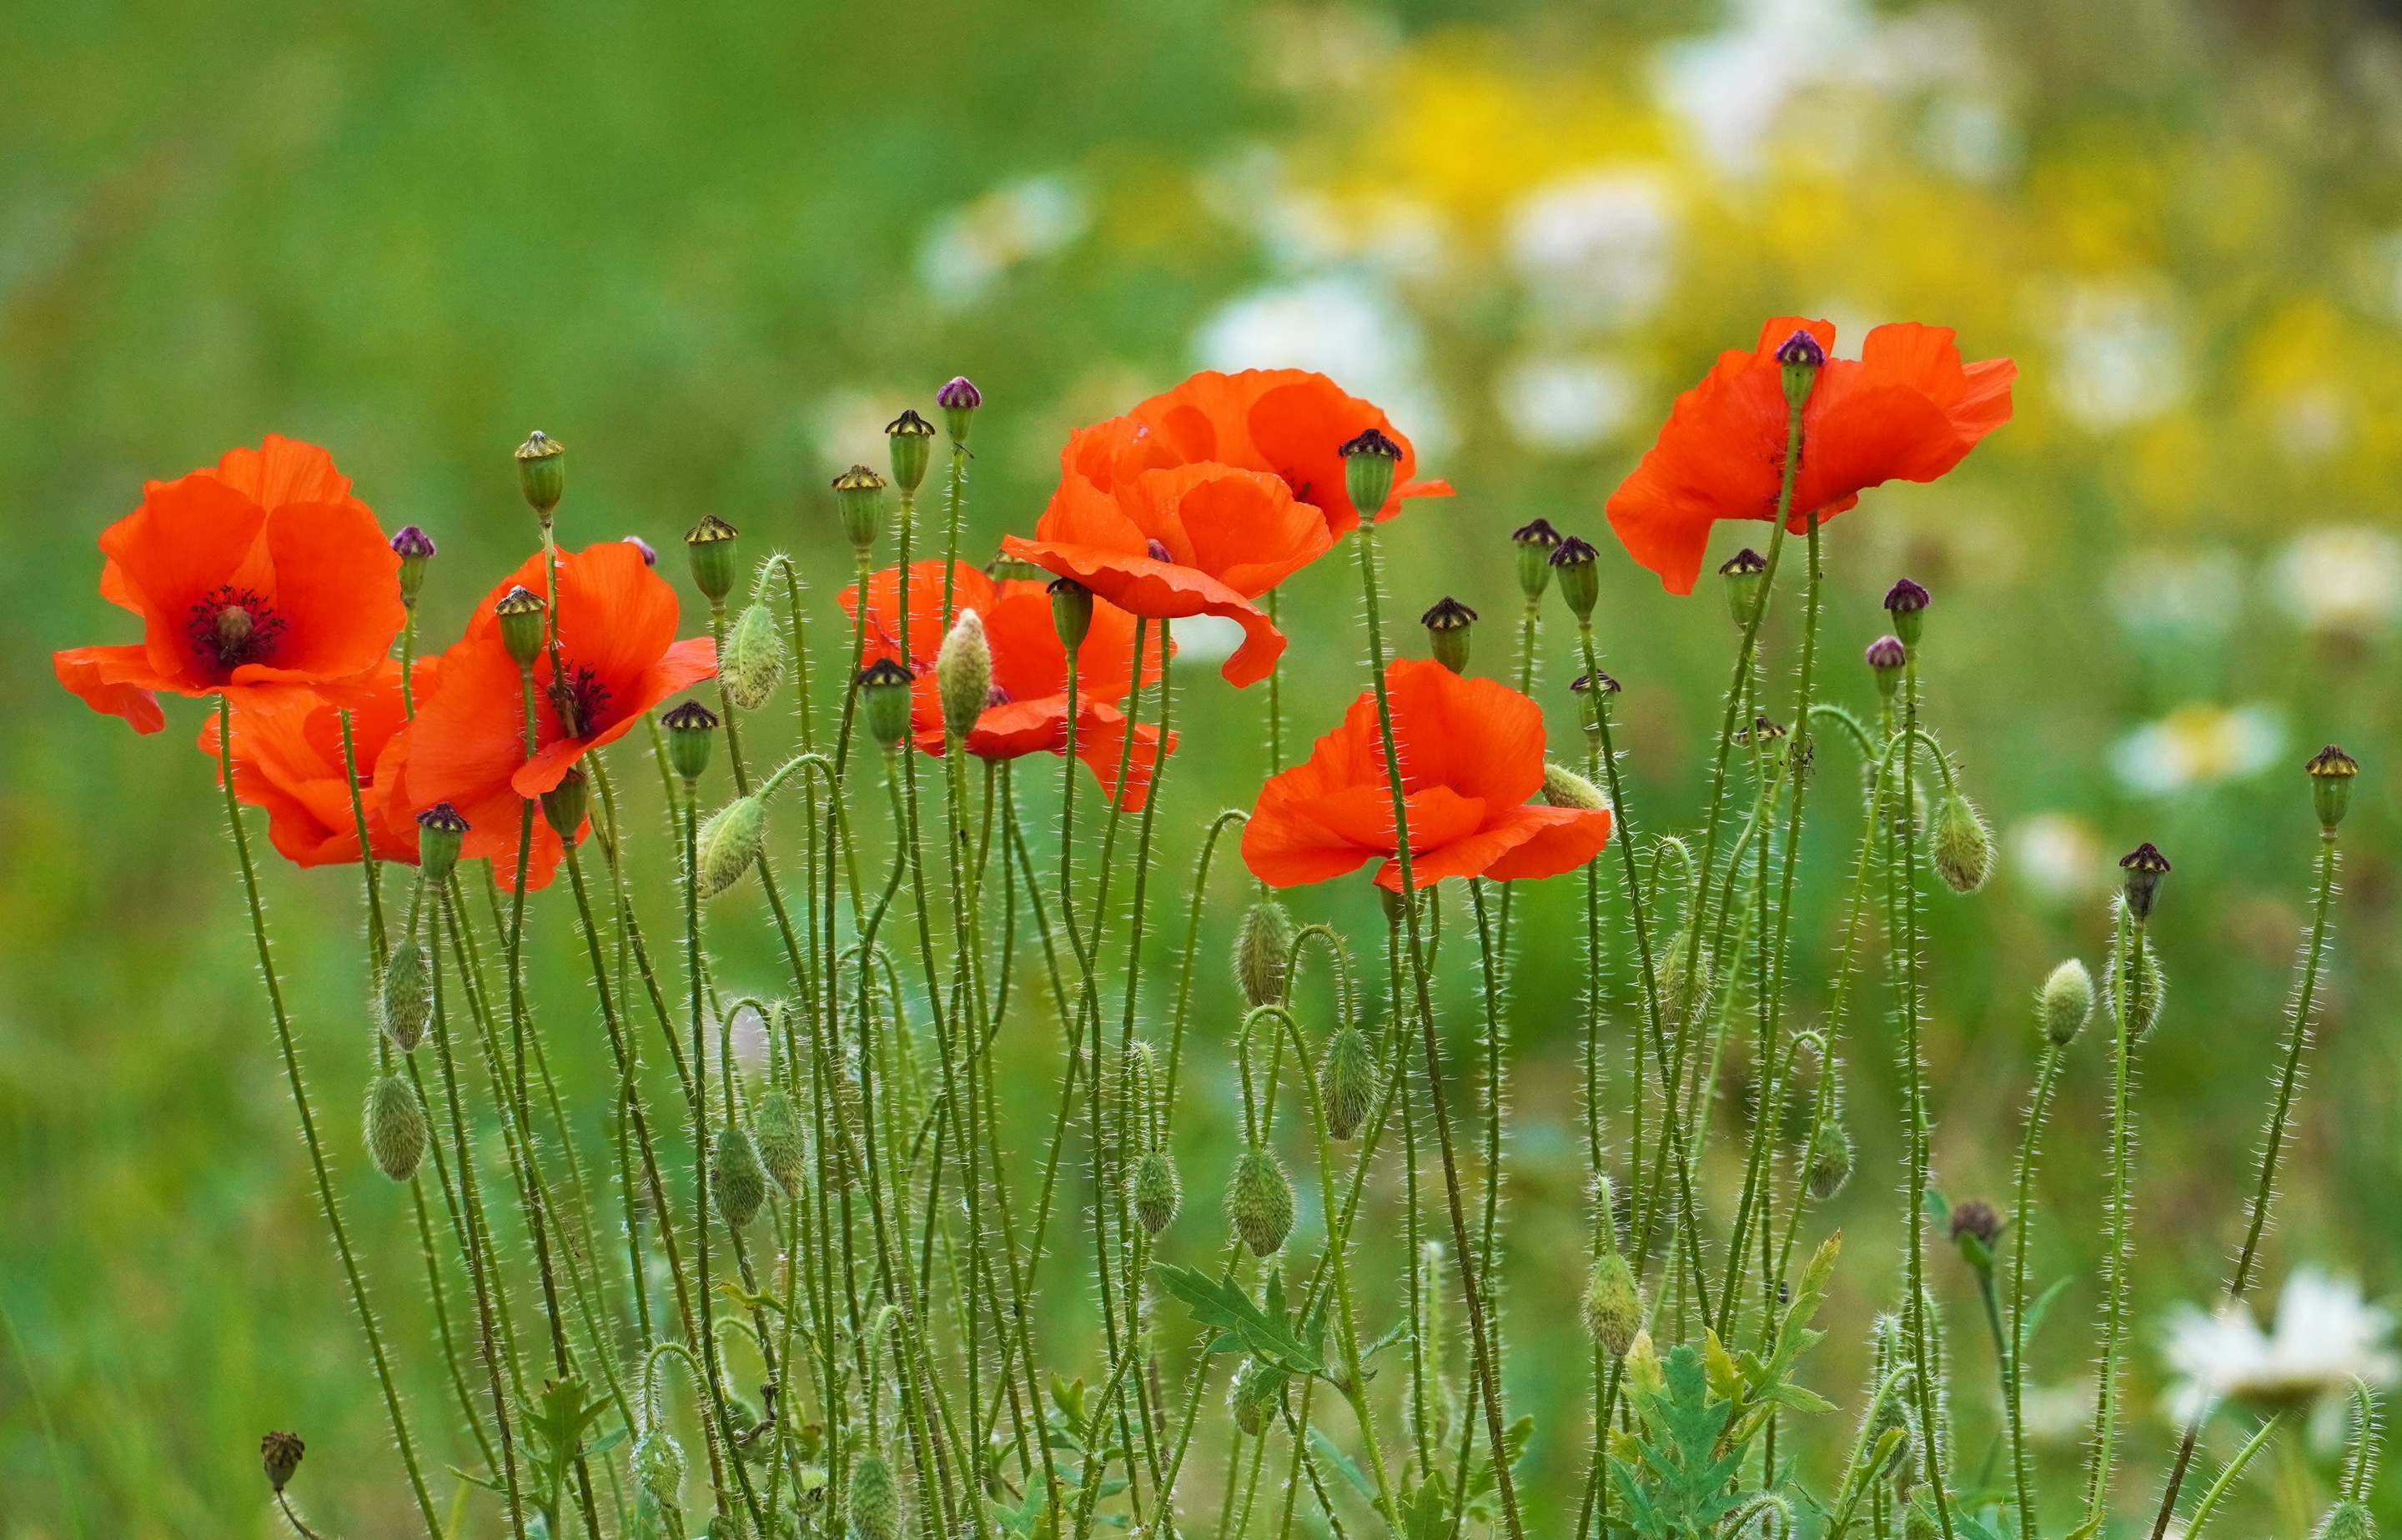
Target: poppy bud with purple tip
{"x":1888,"y":658}
{"x":1802,"y":358}
{"x":958,"y":399}
{"x":1906,"y":601}
{"x":415,"y":548}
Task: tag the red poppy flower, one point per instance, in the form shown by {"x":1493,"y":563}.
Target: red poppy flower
{"x":262,"y":572}
{"x":1907,"y":409}
{"x":1472,"y":754}
{"x":1198,"y":539}
{"x":1287,"y":422}
{"x":1029,"y":709}
{"x":615,"y":623}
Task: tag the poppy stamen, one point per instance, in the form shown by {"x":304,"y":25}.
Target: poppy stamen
{"x":579,"y":699}
{"x":233,"y":627}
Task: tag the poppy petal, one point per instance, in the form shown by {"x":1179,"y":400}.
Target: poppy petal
{"x":100,"y":676}
{"x":1163,"y":590}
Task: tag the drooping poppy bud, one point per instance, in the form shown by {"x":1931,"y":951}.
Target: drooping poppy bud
{"x":2144,"y":867}
{"x":1449,"y":625}
{"x":875,"y":1502}
{"x":1564,"y":787}
{"x":963,"y":674}
{"x":1369,"y":462}
{"x":1802,"y":358}
{"x":692,"y":730}
{"x":1830,"y":1159}
{"x":2332,"y":771}
{"x":958,"y":399}
{"x":440,"y":832}
{"x":1961,"y":848}
{"x":730,"y":842}
{"x":1578,"y":565}
{"x":1071,"y":613}
{"x":406,"y":1002}
{"x":1906,"y":602}
{"x":395,"y":1127}
{"x":520,"y":612}
{"x":1259,"y":1201}
{"x":709,"y":546}
{"x":280,"y":1453}
{"x":1613,"y":1305}
{"x":1263,"y":953}
{"x":1156,"y":1191}
{"x":754,"y":664}
{"x":415,"y":548}
{"x":2346,"y":1520}
{"x":783,"y":1148}
{"x":737,"y":1181}
{"x":1256,"y":1395}
{"x":563,"y":806}
{"x":1886,"y":659}
{"x":542,"y":473}
{"x":1746,"y":574}
{"x":1347,"y":1082}
{"x":1534,"y":542}
{"x":912,"y":441}
{"x":2064,"y":1002}
{"x":858,"y":498}
{"x":658,"y":1467}
{"x":884,"y":701}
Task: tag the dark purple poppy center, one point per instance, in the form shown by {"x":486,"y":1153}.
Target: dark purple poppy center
{"x":579,"y":698}
{"x":231,"y":626}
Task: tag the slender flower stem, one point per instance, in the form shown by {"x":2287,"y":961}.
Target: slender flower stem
{"x":2022,"y":1221}
{"x":2126,"y":995}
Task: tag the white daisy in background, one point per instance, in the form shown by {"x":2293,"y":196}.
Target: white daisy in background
{"x":2198,"y":746}
{"x":973,"y":245}
{"x":2059,"y":1414}
{"x":2324,"y":1336}
{"x":1344,"y":326}
{"x":1595,"y":248}
{"x":2059,"y":858}
{"x":2176,"y":597}
{"x":1565,"y":406}
{"x":2121,"y":361}
{"x":2341,"y":579}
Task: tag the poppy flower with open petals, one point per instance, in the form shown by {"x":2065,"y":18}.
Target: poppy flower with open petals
{"x":615,"y":623}
{"x":259,"y":573}
{"x":1472,"y":754}
{"x":1029,"y":702}
{"x":1907,"y":409}
{"x":1193,"y":539}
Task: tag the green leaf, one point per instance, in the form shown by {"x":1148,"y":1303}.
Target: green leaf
{"x":1343,"y":1462}
{"x":2038,"y":1311}
{"x":1224,"y":1306}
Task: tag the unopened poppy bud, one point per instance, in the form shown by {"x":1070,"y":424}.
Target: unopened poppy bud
{"x":1830,"y":1159}
{"x":2144,"y":991}
{"x":1746,"y":574}
{"x":1578,"y":565}
{"x":1906,"y":602}
{"x":1071,"y":612}
{"x":1975,"y":1228}
{"x":1613,"y":1305}
{"x":1886,"y":659}
{"x":1449,"y":624}
{"x":2064,"y":1002}
{"x":1802,"y":358}
{"x":2346,"y":1520}
{"x":963,"y":674}
{"x":415,"y":548}
{"x":692,"y":732}
{"x":875,"y":1502}
{"x":1534,"y":542}
{"x":1256,"y":1395}
{"x":912,"y":441}
{"x":520,"y":612}
{"x":542,"y":473}
{"x":783,"y":1148}
{"x":280,"y":1453}
{"x":650,"y":552}
{"x":2332,"y":773}
{"x":1263,"y":953}
{"x":730,"y":842}
{"x":753,"y":663}
{"x":884,"y":701}
{"x":1156,"y":1191}
{"x":563,"y":806}
{"x":406,"y":1002}
{"x":1369,"y":463}
{"x":959,"y":400}
{"x":1961,"y":849}
{"x":737,"y":1181}
{"x":1347,"y":1082}
{"x":709,"y":546}
{"x":858,"y":498}
{"x":1259,"y":1201}
{"x":1564,"y":787}
{"x":658,"y":1465}
{"x":395,"y":1127}
{"x":2144,"y":867}
{"x":440,"y":832}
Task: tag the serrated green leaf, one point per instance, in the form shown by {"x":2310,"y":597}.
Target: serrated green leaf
{"x":1343,"y":1462}
{"x":1228,"y":1309}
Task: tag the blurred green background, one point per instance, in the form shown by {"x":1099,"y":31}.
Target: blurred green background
{"x":712,"y":248}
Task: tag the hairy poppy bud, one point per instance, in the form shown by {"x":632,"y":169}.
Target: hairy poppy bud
{"x":1888,"y":658}
{"x":730,"y":842}
{"x":415,"y":548}
{"x":692,"y":732}
{"x":709,"y":546}
{"x":1448,"y":625}
{"x":1259,"y":1201}
{"x":1535,"y":541}
{"x":912,"y":441}
{"x":1263,"y":953}
{"x":395,"y":1127}
{"x":963,"y":674}
{"x":753,"y":663}
{"x":542,"y":473}
{"x":1256,"y":1395}
{"x":520,"y":612}
{"x":1975,"y":1228}
{"x":658,"y":1465}
{"x":1613,"y":1305}
{"x":884,"y":701}
{"x":2065,"y":1001}
{"x":1071,"y":612}
{"x":736,"y":1178}
{"x":280,"y":1453}
{"x":1802,"y":358}
{"x":959,"y":400}
{"x":1347,"y":1082}
{"x":1961,"y":848}
{"x":563,"y":806}
{"x":406,"y":1002}
{"x":875,"y":1501}
{"x":1369,"y":463}
{"x":1906,"y":602}
{"x":440,"y":832}
{"x":2332,"y":771}
{"x":1830,"y":1159}
{"x":2144,"y":867}
{"x":1564,"y":787}
{"x":1578,"y":565}
{"x":2143,"y":990}
{"x":858,"y":498}
{"x":783,"y":1148}
{"x":1746,"y":574}
{"x":1156,"y":1191}
{"x":2346,"y":1520}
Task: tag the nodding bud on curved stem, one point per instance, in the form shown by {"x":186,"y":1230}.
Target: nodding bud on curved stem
{"x":753,"y":663}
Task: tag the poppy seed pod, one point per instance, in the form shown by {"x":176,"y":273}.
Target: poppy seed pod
{"x":875,"y":1502}
{"x":1369,"y":462}
{"x":782,"y":1148}
{"x":1347,"y":1082}
{"x":859,"y":499}
{"x":1830,"y":1159}
{"x":1887,"y":659}
{"x":1801,"y":358}
{"x":1071,"y":612}
{"x":692,"y":732}
{"x":1256,"y":1395}
{"x":520,"y":612}
{"x":1906,"y":602}
{"x":395,"y":1127}
{"x":2332,"y":771}
{"x":280,"y":1453}
{"x":440,"y":832}
{"x":1259,"y":1201}
{"x":2144,"y":867}
{"x":1156,"y":1191}
{"x":542,"y":473}
{"x":1961,"y":848}
{"x":658,"y":1465}
{"x":1564,"y":787}
{"x":963,"y":674}
{"x":1534,"y":542}
{"x":884,"y":701}
{"x":1578,"y":565}
{"x":2346,"y":1520}
{"x":563,"y":806}
{"x":1613,"y":1305}
{"x":1746,"y":574}
{"x":754,"y":664}
{"x":1263,"y":953}
{"x":959,"y":399}
{"x":737,"y":1181}
{"x":709,"y":546}
{"x":415,"y":548}
{"x":911,"y":438}
{"x":2064,"y":1002}
{"x":1449,"y":624}
{"x":406,"y":1002}
{"x":730,"y":842}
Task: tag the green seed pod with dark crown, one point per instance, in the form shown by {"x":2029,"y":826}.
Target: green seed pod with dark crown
{"x":692,"y":732}
{"x":1157,"y":1192}
{"x":1613,"y":1305}
{"x":1347,"y":1082}
{"x":859,"y":500}
{"x":2346,"y":1520}
{"x":1746,"y":574}
{"x":1564,"y":787}
{"x":2332,"y":771}
{"x":563,"y":806}
{"x":1578,"y":567}
{"x":1830,"y":1158}
{"x":1370,"y":463}
{"x":542,"y":473}
{"x":279,"y":1454}
{"x":1533,"y":542}
{"x":963,"y":674}
{"x":406,"y":1003}
{"x":754,"y":664}
{"x":2064,"y":1002}
{"x":959,"y":399}
{"x":2144,"y":867}
{"x":1449,"y":625}
{"x":1962,"y":850}
{"x":520,"y":612}
{"x":736,"y":1181}
{"x":658,"y":1467}
{"x":911,"y":438}
{"x":783,"y":1144}
{"x":1263,"y":953}
{"x":1071,"y":613}
{"x":711,"y":547}
{"x":1256,"y":1395}
{"x":1259,"y":1201}
{"x":395,"y":1127}
{"x":440,"y":833}
{"x":875,"y":1501}
{"x":884,"y":703}
{"x":729,"y":843}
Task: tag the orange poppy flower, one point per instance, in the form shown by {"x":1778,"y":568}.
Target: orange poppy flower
{"x":1192,"y":539}
{"x":615,"y":625}
{"x":1907,"y":409}
{"x":262,"y":572}
{"x":1029,"y":704}
{"x":1472,"y":754}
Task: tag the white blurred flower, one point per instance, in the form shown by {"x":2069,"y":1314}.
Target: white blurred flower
{"x":2313,"y":421}
{"x":2323,"y":1337}
{"x":2059,"y":1414}
{"x":973,"y":245}
{"x":2120,"y":361}
{"x":2178,"y":595}
{"x":848,"y":427}
{"x":2059,"y":857}
{"x":1596,"y":248}
{"x":1342,"y":325}
{"x":2196,"y":745}
{"x":1565,"y":406}
{"x":1205,"y":639}
{"x":2344,"y":578}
